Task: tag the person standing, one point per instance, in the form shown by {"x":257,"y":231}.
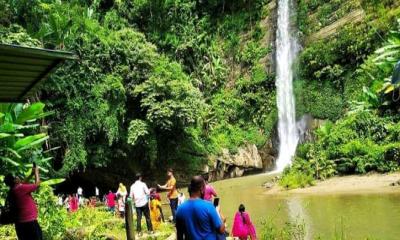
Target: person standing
{"x":242,"y":225}
{"x":155,"y":211}
{"x":66,"y":202}
{"x":140,"y":193}
{"x":181,"y":198}
{"x":155,"y":195}
{"x":121,"y":206}
{"x":74,"y":203}
{"x":172,"y":194}
{"x":79,"y":192}
{"x":122,"y":191}
{"x":197,"y":218}
{"x":110,"y":198}
{"x":209,"y":192}
{"x":23,"y":206}
{"x":60,"y":201}
{"x":97,"y":192}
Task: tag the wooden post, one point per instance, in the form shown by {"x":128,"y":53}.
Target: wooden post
{"x":130,"y":234}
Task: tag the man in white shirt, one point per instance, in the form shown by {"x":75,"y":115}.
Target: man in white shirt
{"x":140,"y":193}
{"x":79,"y":192}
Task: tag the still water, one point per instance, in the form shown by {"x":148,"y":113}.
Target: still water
{"x":357,"y":216}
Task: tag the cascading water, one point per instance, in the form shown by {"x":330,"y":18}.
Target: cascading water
{"x":286,"y":51}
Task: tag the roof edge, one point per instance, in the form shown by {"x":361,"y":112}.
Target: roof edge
{"x":39,"y":51}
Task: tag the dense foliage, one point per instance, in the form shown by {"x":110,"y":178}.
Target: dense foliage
{"x":358,"y":99}
{"x":163,"y":83}
{"x":157,"y":82}
{"x":87,"y":223}
{"x":328,"y":75}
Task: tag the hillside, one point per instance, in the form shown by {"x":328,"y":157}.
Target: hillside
{"x":189,"y":84}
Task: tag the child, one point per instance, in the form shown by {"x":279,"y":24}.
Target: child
{"x":155,"y":209}
{"x":121,"y":206}
{"x":181,"y":198}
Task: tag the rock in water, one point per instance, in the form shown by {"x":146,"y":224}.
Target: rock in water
{"x":269,"y":185}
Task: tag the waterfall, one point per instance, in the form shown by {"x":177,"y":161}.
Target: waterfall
{"x":286,"y":51}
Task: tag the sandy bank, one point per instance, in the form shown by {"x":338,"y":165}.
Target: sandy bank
{"x":354,"y":184}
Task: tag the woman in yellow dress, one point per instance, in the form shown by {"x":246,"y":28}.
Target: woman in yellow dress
{"x":155,"y":209}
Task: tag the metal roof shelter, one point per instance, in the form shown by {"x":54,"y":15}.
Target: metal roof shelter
{"x":23,"y":68}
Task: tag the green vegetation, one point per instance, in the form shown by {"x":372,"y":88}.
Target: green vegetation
{"x":87,"y":223}
{"x":358,"y":143}
{"x":20,"y":141}
{"x":347,"y":83}
{"x":171,"y":83}
{"x":289,"y":231}
{"x":296,"y":230}
{"x":330,"y":69}
{"x":159,"y":82}
{"x":296,"y":179}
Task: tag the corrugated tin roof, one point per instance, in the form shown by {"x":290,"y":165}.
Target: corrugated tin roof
{"x":23,"y":68}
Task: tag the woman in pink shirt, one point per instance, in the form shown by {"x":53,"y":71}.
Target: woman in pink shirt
{"x":242,"y":225}
{"x":111,"y":201}
{"x":24,"y":207}
{"x":209,"y":191}
{"x":73,"y":203}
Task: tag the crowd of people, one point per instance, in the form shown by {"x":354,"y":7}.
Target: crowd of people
{"x":198,"y":217}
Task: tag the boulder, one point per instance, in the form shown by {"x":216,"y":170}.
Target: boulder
{"x":231,"y":165}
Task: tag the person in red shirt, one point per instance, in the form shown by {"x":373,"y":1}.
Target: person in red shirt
{"x":111,"y":201}
{"x":24,"y":207}
{"x":73,"y":203}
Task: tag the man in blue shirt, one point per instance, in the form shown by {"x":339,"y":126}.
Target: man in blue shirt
{"x":197,"y":219}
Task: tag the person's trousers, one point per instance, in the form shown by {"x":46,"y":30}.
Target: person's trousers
{"x":173,"y":203}
{"x":146,"y":212}
{"x":28,"y":231}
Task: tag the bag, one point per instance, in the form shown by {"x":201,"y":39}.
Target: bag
{"x":7,"y":213}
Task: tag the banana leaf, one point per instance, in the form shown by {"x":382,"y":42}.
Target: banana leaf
{"x":9,"y":160}
{"x":4,"y":135}
{"x":8,"y":127}
{"x":30,"y":141}
{"x":13,"y":152}
{"x":53,"y":181}
{"x":30,"y":165}
{"x":30,"y":113}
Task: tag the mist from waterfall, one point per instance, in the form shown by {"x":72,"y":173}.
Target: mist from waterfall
{"x":286,"y":51}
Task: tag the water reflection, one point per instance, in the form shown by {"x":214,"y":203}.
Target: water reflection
{"x":298,"y":214}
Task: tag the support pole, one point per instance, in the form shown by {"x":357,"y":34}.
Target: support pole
{"x":130,"y":234}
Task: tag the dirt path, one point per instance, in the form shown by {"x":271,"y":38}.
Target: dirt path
{"x":354,"y":184}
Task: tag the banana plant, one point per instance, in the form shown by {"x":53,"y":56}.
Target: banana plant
{"x":388,"y":60}
{"x":21,"y":138}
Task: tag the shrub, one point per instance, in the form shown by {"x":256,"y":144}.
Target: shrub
{"x":57,"y":224}
{"x":52,"y":218}
{"x":296,"y":179}
{"x":357,"y":143}
{"x":289,"y":231}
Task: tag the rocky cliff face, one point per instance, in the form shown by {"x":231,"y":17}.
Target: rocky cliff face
{"x":248,"y":159}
